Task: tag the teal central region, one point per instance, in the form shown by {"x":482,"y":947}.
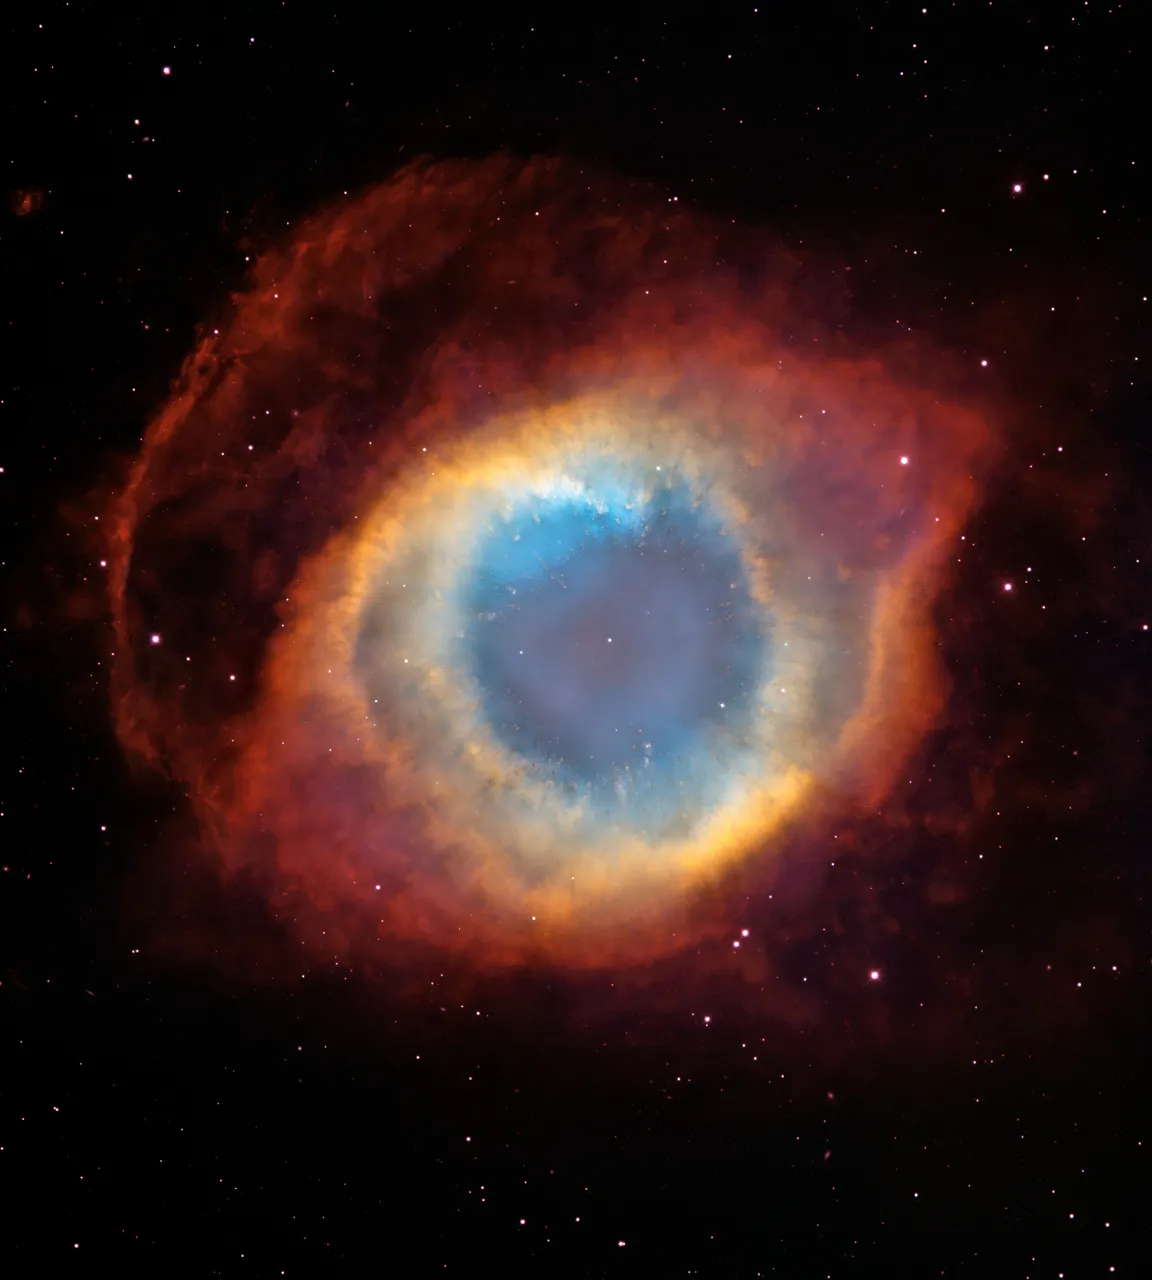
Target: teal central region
{"x":611,"y":644}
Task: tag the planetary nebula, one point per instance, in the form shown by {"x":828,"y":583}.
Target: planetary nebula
{"x":519,"y":560}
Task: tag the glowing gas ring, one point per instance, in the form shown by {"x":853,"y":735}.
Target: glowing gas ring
{"x":568,"y":586}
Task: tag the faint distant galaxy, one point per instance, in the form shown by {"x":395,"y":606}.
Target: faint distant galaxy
{"x":508,"y":573}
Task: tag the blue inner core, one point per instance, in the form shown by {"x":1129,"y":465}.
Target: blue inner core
{"x":607,"y":643}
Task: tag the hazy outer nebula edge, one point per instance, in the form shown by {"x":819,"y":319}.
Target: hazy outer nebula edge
{"x":502,"y":573}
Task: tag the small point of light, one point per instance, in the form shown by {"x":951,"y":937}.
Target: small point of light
{"x":743,"y":933}
{"x":874,"y":975}
{"x":904,"y":460}
{"x":1017,"y":187}
{"x":167,"y":71}
{"x":155,"y":639}
{"x":1007,"y":586}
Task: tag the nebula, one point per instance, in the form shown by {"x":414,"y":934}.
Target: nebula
{"x":517,"y":564}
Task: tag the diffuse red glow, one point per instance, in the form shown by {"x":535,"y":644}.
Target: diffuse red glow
{"x":447,"y":324}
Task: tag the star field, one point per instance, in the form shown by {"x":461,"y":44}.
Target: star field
{"x":922,"y":1046}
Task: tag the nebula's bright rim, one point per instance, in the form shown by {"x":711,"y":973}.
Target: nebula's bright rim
{"x":412,"y":648}
{"x":607,"y":603}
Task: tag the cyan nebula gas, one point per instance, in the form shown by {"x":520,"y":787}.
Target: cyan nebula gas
{"x":519,"y":558}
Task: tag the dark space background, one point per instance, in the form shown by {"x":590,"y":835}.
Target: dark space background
{"x":161,"y":1117}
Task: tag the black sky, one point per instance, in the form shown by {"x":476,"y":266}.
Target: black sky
{"x":158,"y":1115}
